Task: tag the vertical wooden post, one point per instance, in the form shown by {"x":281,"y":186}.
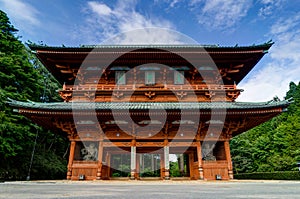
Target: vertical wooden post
{"x":165,"y":78}
{"x":200,"y":163}
{"x":133,"y":160}
{"x":152,"y":162}
{"x":191,"y":165}
{"x":71,"y":158}
{"x":138,"y":157}
{"x":107,"y":160}
{"x":155,"y":163}
{"x":228,"y":158}
{"x":180,"y":161}
{"x":100,"y":155}
{"x":166,"y":160}
{"x":162,"y":166}
{"x":143,"y":162}
{"x":134,"y":78}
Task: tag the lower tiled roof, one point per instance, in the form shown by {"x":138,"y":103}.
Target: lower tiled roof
{"x":65,"y":106}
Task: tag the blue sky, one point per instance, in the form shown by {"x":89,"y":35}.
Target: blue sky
{"x":223,"y":22}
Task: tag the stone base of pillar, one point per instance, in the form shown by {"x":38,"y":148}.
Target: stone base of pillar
{"x":230,"y":175}
{"x":132,"y":175}
{"x":98,"y":176}
{"x":167,"y":175}
{"x":69,"y":174}
{"x":201,"y":174}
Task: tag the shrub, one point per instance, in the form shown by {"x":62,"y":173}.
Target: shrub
{"x":276,"y":175}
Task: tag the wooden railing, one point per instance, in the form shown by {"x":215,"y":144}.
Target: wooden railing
{"x":143,"y":87}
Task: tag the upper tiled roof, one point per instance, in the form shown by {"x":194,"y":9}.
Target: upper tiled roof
{"x":56,"y":58}
{"x":266,"y":45}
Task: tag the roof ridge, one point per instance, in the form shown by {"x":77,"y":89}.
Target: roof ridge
{"x":110,"y":46}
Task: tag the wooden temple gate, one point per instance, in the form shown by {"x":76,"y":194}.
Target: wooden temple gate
{"x":107,"y":106}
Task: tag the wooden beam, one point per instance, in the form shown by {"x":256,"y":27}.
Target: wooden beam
{"x":116,"y":144}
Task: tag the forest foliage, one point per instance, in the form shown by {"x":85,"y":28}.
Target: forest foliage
{"x":22,"y":77}
{"x":272,"y":146}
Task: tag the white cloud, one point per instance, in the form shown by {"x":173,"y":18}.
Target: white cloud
{"x":104,"y":22}
{"x":23,"y":15}
{"x":274,"y":78}
{"x":283,"y":25}
{"x":174,"y":2}
{"x":150,"y":35}
{"x":268,"y":7}
{"x":99,"y":8}
{"x":220,"y":14}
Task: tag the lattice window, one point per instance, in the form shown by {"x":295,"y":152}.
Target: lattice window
{"x":149,"y":77}
{"x":120,"y":77}
{"x":178,"y":77}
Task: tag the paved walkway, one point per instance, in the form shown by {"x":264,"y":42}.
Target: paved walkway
{"x":150,"y":189}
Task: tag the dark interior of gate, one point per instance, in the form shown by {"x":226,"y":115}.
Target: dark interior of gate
{"x":149,"y":162}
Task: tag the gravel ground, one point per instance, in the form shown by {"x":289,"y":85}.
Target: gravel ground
{"x":150,"y":189}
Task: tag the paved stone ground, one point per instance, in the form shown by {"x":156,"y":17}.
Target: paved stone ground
{"x":150,"y":189}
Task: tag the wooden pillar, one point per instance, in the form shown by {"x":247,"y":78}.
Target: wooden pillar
{"x":100,"y":155}
{"x":228,"y":158}
{"x":155,"y":162}
{"x":191,"y":165}
{"x":71,"y":158}
{"x":133,"y":160}
{"x":200,"y":163}
{"x":152,"y":162}
{"x":138,"y":163}
{"x":107,"y":160}
{"x":165,"y":78}
{"x":180,"y":160}
{"x":134,"y":78}
{"x":162,"y":166}
{"x":166,"y":160}
{"x":142,"y":162}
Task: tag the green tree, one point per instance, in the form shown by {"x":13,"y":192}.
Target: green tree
{"x":272,"y":146}
{"x":22,"y":77}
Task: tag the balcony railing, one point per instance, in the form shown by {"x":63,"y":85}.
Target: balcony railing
{"x":143,"y":87}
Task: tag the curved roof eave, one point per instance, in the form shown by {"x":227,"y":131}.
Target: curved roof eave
{"x":69,"y":106}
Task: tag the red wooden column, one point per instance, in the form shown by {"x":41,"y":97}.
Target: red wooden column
{"x":100,"y":155}
{"x":71,"y":158}
{"x":191,"y":164}
{"x":228,"y":158}
{"x":200,"y":164}
{"x":107,"y":160}
{"x":162,"y":166}
{"x":166,"y":159}
{"x":133,"y":160}
{"x":138,"y":158}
